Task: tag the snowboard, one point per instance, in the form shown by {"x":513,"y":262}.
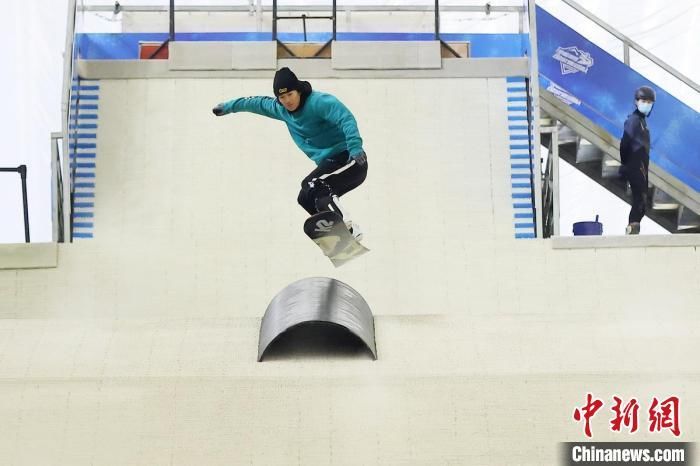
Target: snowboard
{"x":328,"y":231}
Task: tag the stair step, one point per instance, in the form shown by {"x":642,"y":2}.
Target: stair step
{"x":587,"y":152}
{"x":567,"y":135}
{"x":610,"y":168}
{"x":663,"y":201}
{"x":687,"y":219}
{"x":546,"y":120}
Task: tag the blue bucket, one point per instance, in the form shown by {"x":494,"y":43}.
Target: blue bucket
{"x":588,"y":228}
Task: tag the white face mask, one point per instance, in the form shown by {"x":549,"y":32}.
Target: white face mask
{"x":644,"y":107}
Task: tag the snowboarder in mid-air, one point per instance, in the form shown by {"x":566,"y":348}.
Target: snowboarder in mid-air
{"x":325,"y":130}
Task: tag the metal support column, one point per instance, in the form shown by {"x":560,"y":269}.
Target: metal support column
{"x":68,"y":54}
{"x":23,"y":174}
{"x":274,"y":20}
{"x":555,"y":178}
{"x":550,"y":193}
{"x":335,"y":9}
{"x":437,"y":19}
{"x":534,"y":104}
{"x":57,"y":190}
{"x":171,"y":36}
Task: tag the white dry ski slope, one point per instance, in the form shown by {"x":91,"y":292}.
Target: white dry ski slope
{"x":140,"y":347}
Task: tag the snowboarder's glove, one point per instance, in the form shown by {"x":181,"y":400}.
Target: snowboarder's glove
{"x":360,"y":159}
{"x":218,"y":110}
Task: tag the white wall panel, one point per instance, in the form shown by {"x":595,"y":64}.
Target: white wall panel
{"x":140,"y":347}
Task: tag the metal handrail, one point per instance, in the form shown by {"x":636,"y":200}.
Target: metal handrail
{"x":57,"y":190}
{"x":65,"y":106}
{"x":22,"y":172}
{"x":629,"y":43}
{"x":302,"y":8}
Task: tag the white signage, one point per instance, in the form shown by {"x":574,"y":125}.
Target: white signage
{"x":573,"y":60}
{"x":563,"y":95}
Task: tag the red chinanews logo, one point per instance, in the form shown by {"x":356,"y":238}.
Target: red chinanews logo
{"x":663,"y":415}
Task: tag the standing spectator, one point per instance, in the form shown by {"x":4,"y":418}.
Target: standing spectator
{"x":634,"y":152}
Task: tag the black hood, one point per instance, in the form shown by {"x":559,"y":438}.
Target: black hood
{"x":305,"y":90}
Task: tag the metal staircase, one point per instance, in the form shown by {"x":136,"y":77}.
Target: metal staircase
{"x":591,"y":148}
{"x":595,"y":152}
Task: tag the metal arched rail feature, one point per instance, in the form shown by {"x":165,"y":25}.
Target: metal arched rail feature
{"x":317,"y":299}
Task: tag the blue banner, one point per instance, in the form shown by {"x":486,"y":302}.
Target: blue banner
{"x":601,"y":87}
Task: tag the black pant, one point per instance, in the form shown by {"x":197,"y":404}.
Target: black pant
{"x":335,"y":176}
{"x":637,"y":173}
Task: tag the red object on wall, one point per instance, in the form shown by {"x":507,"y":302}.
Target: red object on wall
{"x":147,"y":49}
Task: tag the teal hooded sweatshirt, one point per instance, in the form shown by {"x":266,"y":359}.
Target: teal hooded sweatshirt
{"x":321,"y":128}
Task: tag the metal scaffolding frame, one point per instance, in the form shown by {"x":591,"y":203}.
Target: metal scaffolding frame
{"x":74,"y":8}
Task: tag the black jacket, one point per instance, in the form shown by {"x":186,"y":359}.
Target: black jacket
{"x":635,"y":143}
